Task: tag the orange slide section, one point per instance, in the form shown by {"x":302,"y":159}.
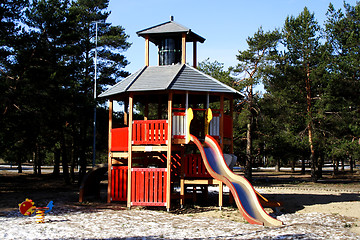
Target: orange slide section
{"x":244,"y":194}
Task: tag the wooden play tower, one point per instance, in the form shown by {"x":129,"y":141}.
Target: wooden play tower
{"x":148,"y":152}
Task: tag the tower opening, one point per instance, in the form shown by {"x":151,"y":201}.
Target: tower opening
{"x":169,"y":51}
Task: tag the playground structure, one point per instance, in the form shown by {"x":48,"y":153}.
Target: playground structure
{"x":152,"y":150}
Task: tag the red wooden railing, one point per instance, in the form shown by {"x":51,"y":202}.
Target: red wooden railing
{"x":194,"y":167}
{"x":150,"y":131}
{"x":148,"y":186}
{"x":118,"y":183}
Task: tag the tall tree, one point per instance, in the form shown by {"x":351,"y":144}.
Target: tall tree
{"x":251,"y":63}
{"x":302,"y":41}
{"x":341,"y":102}
{"x":51,"y":86}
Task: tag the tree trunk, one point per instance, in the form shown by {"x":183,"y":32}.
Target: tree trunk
{"x":313,"y":158}
{"x":34,"y":162}
{"x":342,"y":164}
{"x":57,"y":155}
{"x":293,"y":163}
{"x":320,"y":165}
{"x":277,"y":165}
{"x":19,"y":165}
{"x":72,"y":160}
{"x":351,"y":164}
{"x":82,"y":156}
{"x":335,"y":166}
{"x":37,"y":160}
{"x":64,"y":159}
{"x":248,"y":163}
{"x":303,"y":166}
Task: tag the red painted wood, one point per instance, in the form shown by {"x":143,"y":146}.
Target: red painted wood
{"x":118,"y":183}
{"x":149,"y":187}
{"x":228,"y":128}
{"x":194,"y":167}
{"x":150,"y":132}
{"x":156,"y":186}
{"x":151,"y":198}
{"x":119,"y":139}
{"x":133,"y":185}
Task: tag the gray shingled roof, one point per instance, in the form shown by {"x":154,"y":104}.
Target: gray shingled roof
{"x":156,"y":32}
{"x":169,"y":77}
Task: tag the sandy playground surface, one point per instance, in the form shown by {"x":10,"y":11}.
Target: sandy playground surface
{"x":311,"y":211}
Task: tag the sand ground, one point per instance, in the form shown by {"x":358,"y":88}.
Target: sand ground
{"x":329,"y":209}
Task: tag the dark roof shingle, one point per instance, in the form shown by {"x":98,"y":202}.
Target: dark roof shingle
{"x":169,"y":77}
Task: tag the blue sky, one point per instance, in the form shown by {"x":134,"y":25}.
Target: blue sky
{"x":225,"y":24}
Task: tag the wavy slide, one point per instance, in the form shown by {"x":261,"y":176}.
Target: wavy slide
{"x":243,"y":192}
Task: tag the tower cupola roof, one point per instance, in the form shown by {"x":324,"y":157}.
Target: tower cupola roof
{"x":169,"y":29}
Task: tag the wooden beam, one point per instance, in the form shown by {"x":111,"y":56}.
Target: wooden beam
{"x":168,"y":156}
{"x":130,"y":150}
{"x":231,"y":102}
{"x":119,"y":154}
{"x":146,"y":50}
{"x":126,"y":105}
{"x":149,"y":148}
{"x":109,"y":151}
{"x":211,"y":181}
{"x":222,"y":122}
{"x":194,"y":55}
{"x":183,"y":50}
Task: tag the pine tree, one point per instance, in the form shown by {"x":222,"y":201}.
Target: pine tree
{"x":251,"y":62}
{"x":302,"y":42}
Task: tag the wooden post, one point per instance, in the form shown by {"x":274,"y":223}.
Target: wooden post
{"x":194,"y":55}
{"x":130,"y":150}
{"x":182,"y":178}
{"x":146,"y":50}
{"x":231,"y":102}
{"x":221,"y":188}
{"x":126,"y":104}
{"x":168,"y":180}
{"x":222,"y":122}
{"x":183,"y":50}
{"x":109,"y":151}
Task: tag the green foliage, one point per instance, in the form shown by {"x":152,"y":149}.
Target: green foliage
{"x":49,"y":76}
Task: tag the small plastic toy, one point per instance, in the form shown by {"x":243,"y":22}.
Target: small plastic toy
{"x":28,"y":207}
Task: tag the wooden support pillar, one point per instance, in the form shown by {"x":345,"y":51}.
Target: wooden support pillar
{"x":194,"y":55}
{"x":126,"y":105}
{"x":168,"y":180}
{"x":231,"y":102}
{"x":222,"y":122}
{"x":130,"y":150}
{"x":109,"y":151}
{"x":183,"y":50}
{"x":221,"y":191}
{"x":182,"y":178}
{"x":146,"y":50}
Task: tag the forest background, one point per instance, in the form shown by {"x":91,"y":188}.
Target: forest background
{"x":308,"y":113}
